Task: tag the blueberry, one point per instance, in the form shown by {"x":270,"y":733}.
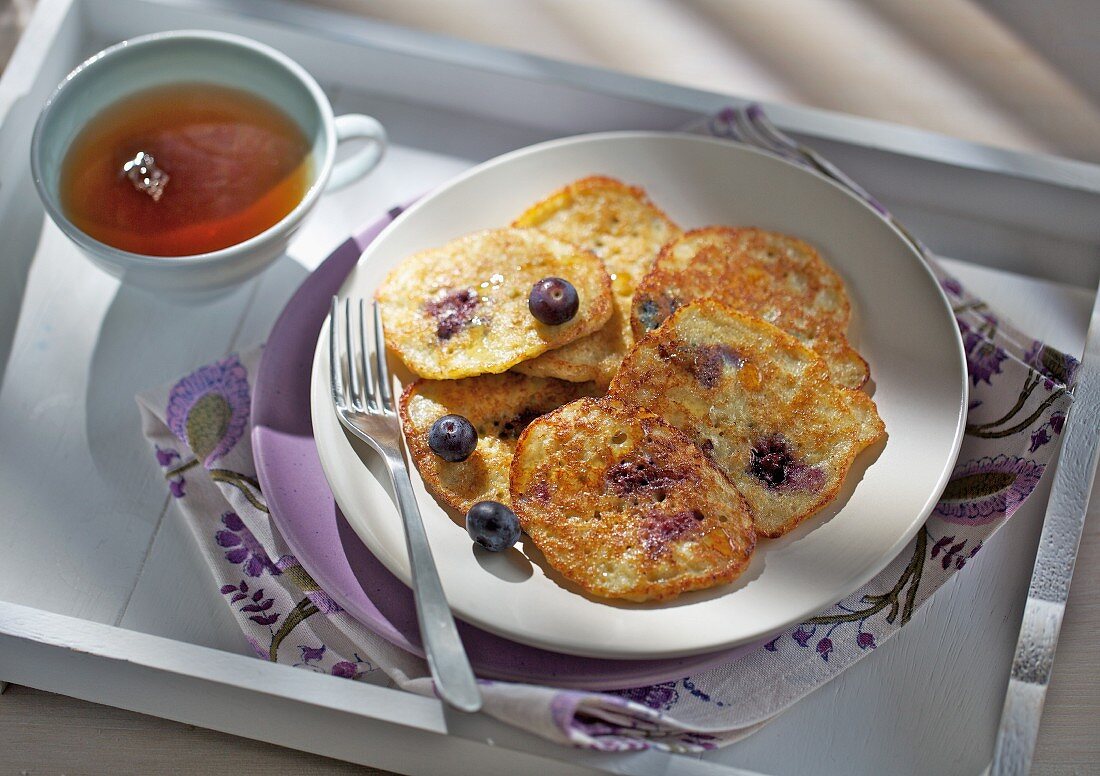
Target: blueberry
{"x":770,"y":461}
{"x":452,"y":438}
{"x":553,"y":301}
{"x":492,"y":525}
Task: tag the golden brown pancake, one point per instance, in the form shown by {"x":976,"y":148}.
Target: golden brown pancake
{"x":758,"y":402}
{"x":764,"y":274}
{"x":625,"y":230}
{"x":625,"y":506}
{"x":461,"y":309}
{"x":499,"y":407}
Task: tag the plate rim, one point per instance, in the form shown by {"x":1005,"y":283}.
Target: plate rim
{"x":872,"y":568}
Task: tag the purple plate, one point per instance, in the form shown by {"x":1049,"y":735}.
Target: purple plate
{"x":303,"y":508}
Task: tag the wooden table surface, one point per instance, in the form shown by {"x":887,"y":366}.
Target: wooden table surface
{"x":1026,"y":103}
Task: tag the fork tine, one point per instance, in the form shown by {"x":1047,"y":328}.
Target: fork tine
{"x":364,"y":363}
{"x":756,"y":117}
{"x":756,"y":136}
{"x":356,"y":394}
{"x":721,"y":124}
{"x":383,"y":377}
{"x":336,"y":380}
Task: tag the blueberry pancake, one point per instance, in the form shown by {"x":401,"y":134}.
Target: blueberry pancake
{"x":625,"y":230}
{"x":625,"y":506}
{"x":462,"y":309}
{"x":499,"y":407}
{"x":765,"y":274}
{"x":757,"y":402}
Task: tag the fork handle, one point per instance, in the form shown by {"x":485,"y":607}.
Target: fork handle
{"x":450,"y":668}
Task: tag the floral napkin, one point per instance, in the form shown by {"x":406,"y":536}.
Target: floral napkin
{"x":1020,"y":395}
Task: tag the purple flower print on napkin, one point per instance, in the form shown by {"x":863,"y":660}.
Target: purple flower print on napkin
{"x":983,"y":358}
{"x":656,"y":696}
{"x":1039,"y":437}
{"x":208,"y":410}
{"x":345,"y":669}
{"x":1052,"y":363}
{"x":243,"y":547}
{"x":256,"y":604}
{"x":987,"y":489}
{"x":951,"y":286}
{"x":310,"y":654}
{"x":289,"y":565}
{"x":165,"y":455}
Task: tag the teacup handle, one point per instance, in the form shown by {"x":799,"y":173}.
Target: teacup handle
{"x":354,"y":126}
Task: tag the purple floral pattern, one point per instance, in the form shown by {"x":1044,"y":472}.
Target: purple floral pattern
{"x":345,"y":669}
{"x":208,"y":410}
{"x":1052,"y":363}
{"x":289,"y":565}
{"x":1039,"y":437}
{"x":243,"y":547}
{"x":257,"y":606}
{"x":657,"y":696}
{"x":169,"y":458}
{"x":988,"y":489}
{"x":954,"y":552}
{"x":312,"y":654}
{"x":983,"y":357}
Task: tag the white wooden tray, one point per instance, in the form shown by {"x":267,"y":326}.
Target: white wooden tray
{"x":103,"y":596}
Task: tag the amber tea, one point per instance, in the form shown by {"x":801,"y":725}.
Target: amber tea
{"x":184,"y":169}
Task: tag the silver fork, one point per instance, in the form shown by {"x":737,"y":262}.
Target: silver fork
{"x":365,"y":408}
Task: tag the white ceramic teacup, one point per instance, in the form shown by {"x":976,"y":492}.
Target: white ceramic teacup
{"x":208,"y":57}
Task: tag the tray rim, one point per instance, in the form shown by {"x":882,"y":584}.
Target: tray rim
{"x":141,"y":672}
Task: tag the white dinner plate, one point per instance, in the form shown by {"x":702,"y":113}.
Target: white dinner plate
{"x":901,"y":323}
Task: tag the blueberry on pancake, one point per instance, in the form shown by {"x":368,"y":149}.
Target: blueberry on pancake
{"x":462,"y":309}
